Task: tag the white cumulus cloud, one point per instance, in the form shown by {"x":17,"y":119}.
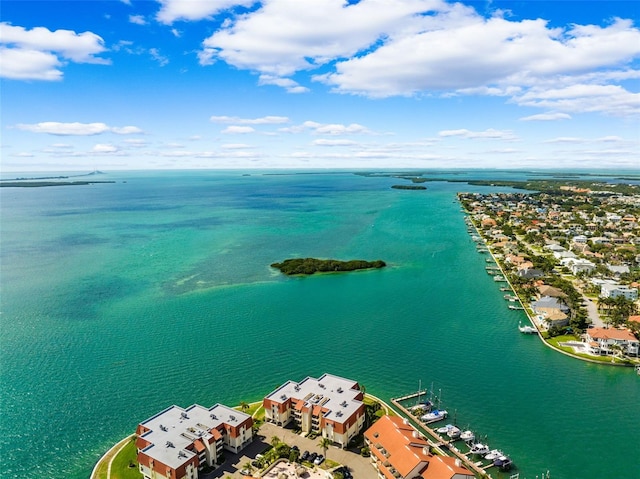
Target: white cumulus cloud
{"x":39,"y":53}
{"x":237,"y":129}
{"x":489,"y":134}
{"x":265,"y":120}
{"x":104,"y":148}
{"x":547,"y":117}
{"x":76,"y":128}
{"x":172,"y":10}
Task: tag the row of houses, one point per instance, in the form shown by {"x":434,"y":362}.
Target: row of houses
{"x":180,"y":443}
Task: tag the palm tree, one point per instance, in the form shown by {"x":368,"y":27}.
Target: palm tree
{"x":324,"y":443}
{"x":248,"y":467}
{"x":275,"y":440}
{"x":244,"y":405}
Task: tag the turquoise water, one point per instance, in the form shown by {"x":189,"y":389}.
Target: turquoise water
{"x":121,"y":299}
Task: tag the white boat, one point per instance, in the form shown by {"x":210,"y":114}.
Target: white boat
{"x":454,"y":432}
{"x":638,"y":369}
{"x":493,"y":454}
{"x":479,"y":449}
{"x":503,"y":462}
{"x":526,"y":329}
{"x":467,"y":436}
{"x":435,"y":415}
{"x":443,"y":429}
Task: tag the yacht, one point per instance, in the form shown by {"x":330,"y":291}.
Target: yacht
{"x":479,"y":449}
{"x":454,"y":432}
{"x":493,"y":455}
{"x":435,"y":415}
{"x":467,"y":436}
{"x":526,"y":329}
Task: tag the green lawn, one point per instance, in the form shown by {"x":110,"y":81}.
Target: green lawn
{"x":120,"y":467}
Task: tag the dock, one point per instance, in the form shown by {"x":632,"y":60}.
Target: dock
{"x":435,"y":441}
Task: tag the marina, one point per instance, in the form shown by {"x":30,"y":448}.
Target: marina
{"x":450,"y":439}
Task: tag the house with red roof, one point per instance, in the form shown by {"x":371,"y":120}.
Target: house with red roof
{"x":600,"y":341}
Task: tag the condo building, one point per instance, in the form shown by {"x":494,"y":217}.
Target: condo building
{"x":176,"y":443}
{"x":330,"y":406}
{"x":398,"y":451}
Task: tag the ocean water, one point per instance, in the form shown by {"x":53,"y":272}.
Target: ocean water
{"x":118,"y":300}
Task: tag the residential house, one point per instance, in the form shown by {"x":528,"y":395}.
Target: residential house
{"x":176,"y":443}
{"x":330,"y":406}
{"x":399,"y":451}
{"x":600,"y":341}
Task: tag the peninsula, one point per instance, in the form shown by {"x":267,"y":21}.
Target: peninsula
{"x":308,"y":266}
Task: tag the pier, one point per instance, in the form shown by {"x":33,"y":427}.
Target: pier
{"x":435,"y":440}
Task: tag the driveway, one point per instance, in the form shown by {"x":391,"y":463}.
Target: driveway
{"x":359,"y":466}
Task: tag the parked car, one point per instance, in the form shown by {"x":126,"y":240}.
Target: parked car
{"x":305,"y":456}
{"x":346,"y":473}
{"x":312,"y":457}
{"x":318,"y":460}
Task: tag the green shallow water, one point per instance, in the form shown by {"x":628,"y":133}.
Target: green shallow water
{"x":121,"y":299}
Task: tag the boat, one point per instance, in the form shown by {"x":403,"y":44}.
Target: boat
{"x":638,"y":369}
{"x":503,"y":462}
{"x":422,"y":406}
{"x":505,"y":288}
{"x":435,"y":415}
{"x":526,"y":329}
{"x":516,"y":308}
{"x":493,"y":455}
{"x":454,"y":432}
{"x":499,"y":279}
{"x":479,"y":449}
{"x":467,"y":436}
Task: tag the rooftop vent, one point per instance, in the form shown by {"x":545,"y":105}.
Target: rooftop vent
{"x":170,"y":444}
{"x":339,"y":413}
{"x":181,"y":454}
{"x":213,"y":416}
{"x":164,"y":428}
{"x":321,"y":385}
{"x":339,"y":390}
{"x":296,"y":387}
{"x":232,"y":418}
{"x":343,"y":404}
{"x":283,"y":397}
{"x":184,"y":415}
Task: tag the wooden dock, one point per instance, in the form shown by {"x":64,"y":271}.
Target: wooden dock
{"x":410,"y":396}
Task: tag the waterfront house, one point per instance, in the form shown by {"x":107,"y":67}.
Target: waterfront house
{"x":330,"y":406}
{"x":399,"y":451}
{"x":600,"y":341}
{"x":608,"y":290}
{"x":177,"y":443}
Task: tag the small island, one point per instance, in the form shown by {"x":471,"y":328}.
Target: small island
{"x":308,"y":266}
{"x":409,"y":187}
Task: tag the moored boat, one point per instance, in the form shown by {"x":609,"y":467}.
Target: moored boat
{"x":526,"y":329}
{"x":503,"y":462}
{"x":454,"y":432}
{"x":479,"y":449}
{"x":435,"y":415}
{"x":493,"y":455}
{"x":467,"y":436}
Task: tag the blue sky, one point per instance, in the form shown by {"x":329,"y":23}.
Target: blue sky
{"x":176,"y":84}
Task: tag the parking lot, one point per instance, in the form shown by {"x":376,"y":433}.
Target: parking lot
{"x":359,"y":466}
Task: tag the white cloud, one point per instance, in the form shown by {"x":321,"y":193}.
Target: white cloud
{"x":161,"y":59}
{"x":189,"y":10}
{"x":326,"y":142}
{"x":286,"y":83}
{"x":135,"y":142}
{"x":489,"y":134}
{"x":104,"y":148}
{"x":76,"y":129}
{"x":265,"y":120}
{"x":137,"y":19}
{"x":380,"y":48}
{"x":547,"y":117}
{"x":236,"y":129}
{"x":235,"y":146}
{"x":39,"y":53}
{"x":332,"y":129}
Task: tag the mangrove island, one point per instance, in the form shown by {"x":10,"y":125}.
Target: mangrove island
{"x":308,"y":266}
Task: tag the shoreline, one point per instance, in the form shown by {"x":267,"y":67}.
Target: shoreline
{"x":526,"y":310}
